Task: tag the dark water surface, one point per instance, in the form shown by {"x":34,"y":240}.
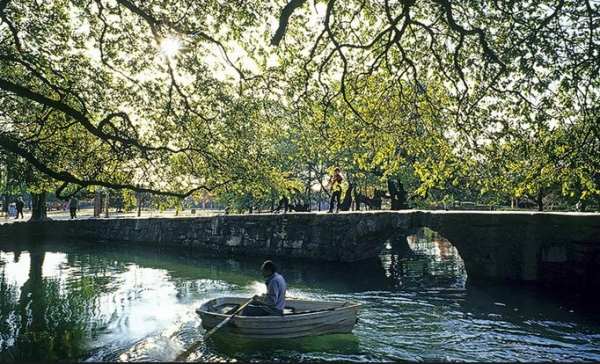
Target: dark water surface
{"x":117,"y":303}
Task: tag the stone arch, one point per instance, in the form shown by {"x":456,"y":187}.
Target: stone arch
{"x":503,"y":246}
{"x":490,"y":247}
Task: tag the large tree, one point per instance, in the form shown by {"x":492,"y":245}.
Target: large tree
{"x":179,"y":96}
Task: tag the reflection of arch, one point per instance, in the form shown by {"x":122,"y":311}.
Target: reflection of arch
{"x":444,"y":247}
{"x":423,"y":257}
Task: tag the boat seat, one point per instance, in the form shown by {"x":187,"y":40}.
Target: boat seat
{"x":229,"y":308}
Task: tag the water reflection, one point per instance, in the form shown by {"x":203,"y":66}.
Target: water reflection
{"x":46,"y":316}
{"x":430,"y":260}
{"x":104,"y":303}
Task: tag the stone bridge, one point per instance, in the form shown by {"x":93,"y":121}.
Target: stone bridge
{"x":516,"y":246}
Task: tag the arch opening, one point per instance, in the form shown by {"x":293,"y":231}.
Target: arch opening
{"x":423,"y":259}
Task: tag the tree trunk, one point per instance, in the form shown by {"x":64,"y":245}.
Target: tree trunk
{"x":97,"y":204}
{"x":178,"y":208}
{"x":357,"y":200}
{"x":345,"y":204}
{"x":583,"y":205}
{"x":377,"y":199}
{"x":106,"y":204}
{"x":139,"y":205}
{"x":5,"y":206}
{"x":309,"y":190}
{"x":397,"y":194}
{"x":319,"y":201}
{"x":540,"y":201}
{"x":38,"y":207}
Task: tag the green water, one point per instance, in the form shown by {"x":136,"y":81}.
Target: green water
{"x":117,"y":303}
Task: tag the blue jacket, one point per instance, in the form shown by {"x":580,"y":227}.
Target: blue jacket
{"x":276,"y":288}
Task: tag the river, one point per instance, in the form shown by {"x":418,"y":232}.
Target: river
{"x":90,"y":302}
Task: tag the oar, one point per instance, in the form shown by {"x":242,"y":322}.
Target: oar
{"x":197,"y":344}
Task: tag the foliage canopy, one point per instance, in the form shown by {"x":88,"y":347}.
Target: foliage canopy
{"x":250,"y":99}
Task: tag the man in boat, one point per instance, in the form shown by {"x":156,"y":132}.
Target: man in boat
{"x":273,"y":302}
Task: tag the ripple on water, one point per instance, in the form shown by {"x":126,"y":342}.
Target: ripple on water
{"x":139,"y":311}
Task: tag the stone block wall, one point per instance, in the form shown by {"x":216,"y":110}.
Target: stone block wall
{"x":550,"y":248}
{"x":342,"y":237}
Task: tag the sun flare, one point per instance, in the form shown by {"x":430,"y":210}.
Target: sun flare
{"x":170,"y":46}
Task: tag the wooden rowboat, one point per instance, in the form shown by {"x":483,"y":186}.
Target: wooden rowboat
{"x":301,"y":318}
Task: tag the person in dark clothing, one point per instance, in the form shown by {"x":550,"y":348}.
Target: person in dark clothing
{"x":19,"y":205}
{"x":73,"y":207}
{"x":273,"y":302}
{"x":335,"y":183}
{"x":284,"y":202}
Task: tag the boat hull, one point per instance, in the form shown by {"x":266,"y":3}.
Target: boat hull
{"x":320,"y":318}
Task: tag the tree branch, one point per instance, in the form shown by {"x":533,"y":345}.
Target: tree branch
{"x":66,"y":177}
{"x":284,"y":19}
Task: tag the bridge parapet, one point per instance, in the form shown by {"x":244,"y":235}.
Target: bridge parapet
{"x":517,"y":246}
{"x":523,"y":246}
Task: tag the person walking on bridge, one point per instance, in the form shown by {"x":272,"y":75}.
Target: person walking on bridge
{"x":19,"y":205}
{"x":335,"y":183}
{"x":73,"y":207}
